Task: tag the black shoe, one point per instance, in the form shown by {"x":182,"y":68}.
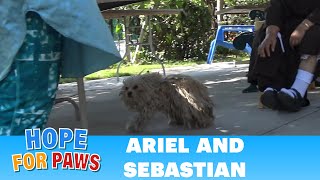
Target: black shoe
{"x":292,"y":104}
{"x":252,"y":88}
{"x":270,"y":100}
{"x":305,"y":102}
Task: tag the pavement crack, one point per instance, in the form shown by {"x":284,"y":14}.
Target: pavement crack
{"x":295,"y":120}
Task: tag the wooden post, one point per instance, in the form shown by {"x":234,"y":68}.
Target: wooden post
{"x":220,"y":4}
{"x":153,"y":51}
{"x":141,"y":37}
{"x":127,"y":36}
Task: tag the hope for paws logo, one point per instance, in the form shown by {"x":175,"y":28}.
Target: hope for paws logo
{"x":49,"y":149}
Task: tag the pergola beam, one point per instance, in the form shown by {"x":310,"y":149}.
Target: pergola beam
{"x":110,"y":14}
{"x":109,"y":4}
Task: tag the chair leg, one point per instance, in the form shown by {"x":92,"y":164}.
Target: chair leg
{"x":74,"y":104}
{"x":211,"y":52}
{"x":260,"y":105}
{"x":82,"y":104}
{"x":118,"y":71}
{"x":81,"y":109}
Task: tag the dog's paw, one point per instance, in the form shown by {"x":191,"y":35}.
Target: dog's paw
{"x":172,"y":122}
{"x":133,"y":127}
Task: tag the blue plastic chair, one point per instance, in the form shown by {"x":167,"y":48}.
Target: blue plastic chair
{"x":219,"y":40}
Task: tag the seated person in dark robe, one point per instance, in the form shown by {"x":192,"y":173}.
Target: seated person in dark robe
{"x":259,"y":18}
{"x":252,"y":79}
{"x":288,"y":53}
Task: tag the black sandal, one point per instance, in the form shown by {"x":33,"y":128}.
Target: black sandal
{"x":251,"y":89}
{"x":292,"y":104}
{"x":305,"y":101}
{"x":270,"y":99}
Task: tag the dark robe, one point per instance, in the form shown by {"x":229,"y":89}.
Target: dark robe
{"x":252,"y":78}
{"x":279,"y":70}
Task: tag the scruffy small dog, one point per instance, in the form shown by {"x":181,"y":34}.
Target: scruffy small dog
{"x":183,"y":99}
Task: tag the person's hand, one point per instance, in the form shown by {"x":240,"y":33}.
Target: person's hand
{"x":297,"y":36}
{"x":268,"y":45}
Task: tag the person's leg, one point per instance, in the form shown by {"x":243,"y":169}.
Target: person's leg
{"x":316,"y":75}
{"x":251,"y":88}
{"x":252,"y":80}
{"x":309,"y":49}
{"x":292,"y":98}
{"x":251,"y":77}
{"x":304,"y":77}
{"x":7,"y":101}
{"x":317,"y":82}
{"x":276,"y":72}
{"x":27,"y":94}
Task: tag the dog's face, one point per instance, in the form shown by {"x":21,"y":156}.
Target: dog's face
{"x":132,"y":92}
{"x":138,"y":91}
{"x":132,"y":88}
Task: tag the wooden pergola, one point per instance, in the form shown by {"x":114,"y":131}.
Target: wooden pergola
{"x":81,"y":107}
{"x":109,"y":4}
{"x":241,"y":9}
{"x":110,"y":14}
{"x":105,"y":6}
{"x":117,"y":14}
{"x":107,"y":12}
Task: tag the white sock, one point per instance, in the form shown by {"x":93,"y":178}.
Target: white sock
{"x":290,"y":92}
{"x":301,"y":84}
{"x":268,"y":89}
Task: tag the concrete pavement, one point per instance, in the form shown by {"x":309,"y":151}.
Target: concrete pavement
{"x":237,"y":113}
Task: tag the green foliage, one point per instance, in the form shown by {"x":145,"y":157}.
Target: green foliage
{"x":187,"y":36}
{"x":184,"y":36}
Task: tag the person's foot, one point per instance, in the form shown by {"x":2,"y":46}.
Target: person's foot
{"x":252,"y":88}
{"x":305,"y":102}
{"x":292,"y":102}
{"x":270,"y":100}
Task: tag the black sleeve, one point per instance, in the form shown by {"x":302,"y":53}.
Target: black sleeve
{"x":275,"y":13}
{"x":315,"y":16}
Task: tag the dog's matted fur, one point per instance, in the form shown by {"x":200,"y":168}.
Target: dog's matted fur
{"x":183,"y":99}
